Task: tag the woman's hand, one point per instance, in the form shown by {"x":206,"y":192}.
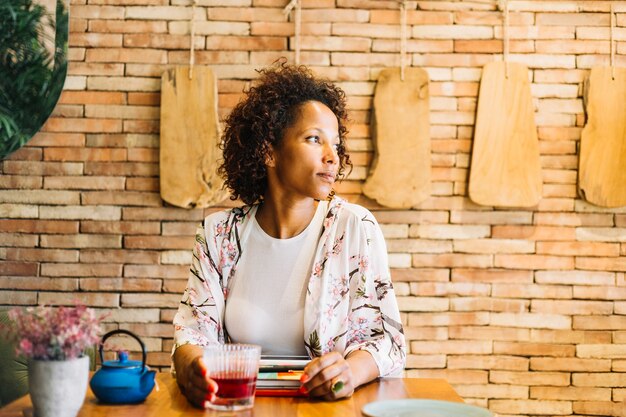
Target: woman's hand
{"x":191,"y":375}
{"x":332,"y":377}
{"x":328,"y":377}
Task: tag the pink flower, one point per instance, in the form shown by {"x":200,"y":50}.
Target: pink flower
{"x":50,"y":333}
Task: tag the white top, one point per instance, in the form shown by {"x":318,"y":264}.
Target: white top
{"x":266,"y":300}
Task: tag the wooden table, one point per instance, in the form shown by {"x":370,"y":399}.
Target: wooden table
{"x":169,"y":402}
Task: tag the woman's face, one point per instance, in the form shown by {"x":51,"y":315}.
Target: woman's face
{"x":305,"y":163}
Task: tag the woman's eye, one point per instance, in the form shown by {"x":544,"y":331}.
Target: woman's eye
{"x":313,"y":139}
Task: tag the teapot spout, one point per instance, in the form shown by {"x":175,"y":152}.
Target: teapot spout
{"x":147,"y":382}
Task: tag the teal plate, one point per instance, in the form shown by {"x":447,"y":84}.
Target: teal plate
{"x":422,"y":408}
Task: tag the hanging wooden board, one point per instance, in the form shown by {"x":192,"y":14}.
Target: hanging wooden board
{"x":189,"y":138}
{"x":505,"y":170}
{"x":602,"y":170}
{"x":400,"y":172}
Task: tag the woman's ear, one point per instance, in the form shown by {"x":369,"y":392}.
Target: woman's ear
{"x":270,"y":162}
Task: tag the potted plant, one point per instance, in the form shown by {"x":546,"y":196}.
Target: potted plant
{"x":54,"y":340}
{"x":31,"y":76}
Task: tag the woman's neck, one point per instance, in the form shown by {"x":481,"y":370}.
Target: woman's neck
{"x":283,"y":218}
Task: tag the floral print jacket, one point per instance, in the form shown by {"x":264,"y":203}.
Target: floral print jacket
{"x":350,"y":302}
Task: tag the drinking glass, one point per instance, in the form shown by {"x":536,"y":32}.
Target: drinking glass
{"x":234,"y":368}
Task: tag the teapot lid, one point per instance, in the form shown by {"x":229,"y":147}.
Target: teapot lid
{"x":123,"y":362}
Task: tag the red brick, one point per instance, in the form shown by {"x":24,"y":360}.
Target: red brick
{"x":126,"y":55}
{"x":18,"y":240}
{"x":143,"y":184}
{"x":602,"y":264}
{"x":501,"y":362}
{"x":38,"y":283}
{"x":161,"y":214}
{"x":119,"y":256}
{"x":534,"y":232}
{"x":80,"y":270}
{"x":17,"y":298}
{"x":157,"y":271}
{"x":570,"y":393}
{"x":127,"y":198}
{"x":599,"y":322}
{"x":18,"y":268}
{"x":146,"y":242}
{"x":123,"y":227}
{"x":26,"y":154}
{"x":65,"y":124}
{"x":89,"y":299}
{"x":42,"y":168}
{"x":39,"y":226}
{"x":529,"y":378}
{"x":448,"y":319}
{"x":262,"y":43}
{"x":84,"y":183}
{"x":176,"y":286}
{"x":42,"y":255}
{"x":488,"y":333}
{"x":492,"y":275}
{"x":534,"y":261}
{"x":127,"y":26}
{"x":121,"y":168}
{"x":20,"y":181}
{"x":81,"y":241}
{"x":150,"y":300}
{"x":534,"y":349}
{"x":92,"y":97}
{"x":144,"y":99}
{"x":58,"y":139}
{"x":141,"y":126}
{"x":120,"y":284}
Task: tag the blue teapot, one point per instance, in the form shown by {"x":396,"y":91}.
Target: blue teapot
{"x":122,"y":381}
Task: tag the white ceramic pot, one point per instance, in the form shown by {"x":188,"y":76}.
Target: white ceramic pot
{"x":58,"y":388}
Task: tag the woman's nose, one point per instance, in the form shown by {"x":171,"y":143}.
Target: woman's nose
{"x":330,"y":154}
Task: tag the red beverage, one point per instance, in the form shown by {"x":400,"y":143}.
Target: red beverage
{"x":238,"y":387}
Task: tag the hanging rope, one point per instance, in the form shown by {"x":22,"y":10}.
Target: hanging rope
{"x":612,"y":34}
{"x":192,"y":52}
{"x":505,"y":40}
{"x":402,"y":38}
{"x":298,"y":18}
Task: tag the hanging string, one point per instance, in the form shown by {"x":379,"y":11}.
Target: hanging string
{"x":611,"y":34}
{"x":192,"y":52}
{"x":505,"y":36}
{"x":298,"y":18}
{"x":402,"y":38}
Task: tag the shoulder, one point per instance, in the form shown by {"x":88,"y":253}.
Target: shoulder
{"x":352,"y":213}
{"x":221,"y":222}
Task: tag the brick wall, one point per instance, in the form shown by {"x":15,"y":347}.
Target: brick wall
{"x":523,"y":311}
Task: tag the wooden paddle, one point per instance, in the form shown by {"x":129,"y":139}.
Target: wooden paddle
{"x":602,"y":170}
{"x":400,"y":172}
{"x":189,"y":138}
{"x":505,"y":170}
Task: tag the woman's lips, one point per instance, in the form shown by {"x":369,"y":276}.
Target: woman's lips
{"x":327,"y":177}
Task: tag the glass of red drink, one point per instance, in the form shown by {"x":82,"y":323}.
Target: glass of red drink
{"x":234,"y":368}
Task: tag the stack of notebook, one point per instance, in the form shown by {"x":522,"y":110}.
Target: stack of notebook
{"x":280,"y":375}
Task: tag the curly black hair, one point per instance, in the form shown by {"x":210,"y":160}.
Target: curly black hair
{"x":261,"y":119}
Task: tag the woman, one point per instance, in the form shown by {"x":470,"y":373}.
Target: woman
{"x":296,"y":270}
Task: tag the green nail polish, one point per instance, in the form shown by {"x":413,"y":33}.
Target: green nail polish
{"x":337,"y":386}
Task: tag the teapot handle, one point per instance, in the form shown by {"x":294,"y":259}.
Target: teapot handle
{"x":122,"y":331}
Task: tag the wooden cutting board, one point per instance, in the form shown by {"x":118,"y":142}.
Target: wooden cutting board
{"x":400,"y":172}
{"x":505,"y":169}
{"x":189,"y":138}
{"x":602,"y":170}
